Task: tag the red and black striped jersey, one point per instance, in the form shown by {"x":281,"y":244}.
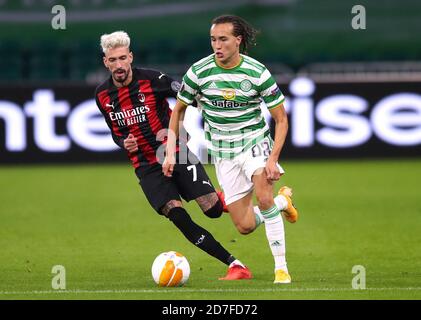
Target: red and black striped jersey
{"x":140,"y":108}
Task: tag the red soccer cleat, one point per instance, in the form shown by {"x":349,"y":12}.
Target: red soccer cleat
{"x":221,"y":197}
{"x":237,"y":272}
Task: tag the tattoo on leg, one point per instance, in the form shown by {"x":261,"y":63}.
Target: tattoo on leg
{"x":207,"y":201}
{"x":170,"y":205}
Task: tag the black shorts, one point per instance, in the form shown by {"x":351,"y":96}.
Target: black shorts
{"x":189,"y":181}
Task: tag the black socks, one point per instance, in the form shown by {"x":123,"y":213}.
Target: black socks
{"x":199,"y":236}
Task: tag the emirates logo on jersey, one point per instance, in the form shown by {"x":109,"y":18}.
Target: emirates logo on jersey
{"x":228,"y":94}
{"x":129,"y":117}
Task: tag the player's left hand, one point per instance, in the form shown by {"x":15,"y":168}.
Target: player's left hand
{"x":130,"y":143}
{"x":272,"y":170}
{"x":168,"y":166}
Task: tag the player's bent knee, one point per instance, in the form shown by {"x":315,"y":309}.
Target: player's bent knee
{"x":215,"y":211}
{"x":265,"y":201}
{"x":178,"y":214}
{"x":244,"y":229}
{"x":165,"y":210}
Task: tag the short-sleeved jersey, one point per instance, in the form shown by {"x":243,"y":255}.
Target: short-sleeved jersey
{"x":230,"y":101}
{"x":140,"y":108}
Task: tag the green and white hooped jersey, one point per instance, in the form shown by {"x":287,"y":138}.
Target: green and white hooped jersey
{"x":230,"y":100}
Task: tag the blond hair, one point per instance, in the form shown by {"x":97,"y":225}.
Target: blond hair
{"x":115,"y":40}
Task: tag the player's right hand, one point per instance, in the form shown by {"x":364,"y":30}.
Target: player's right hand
{"x":130,"y":143}
{"x":168,"y":166}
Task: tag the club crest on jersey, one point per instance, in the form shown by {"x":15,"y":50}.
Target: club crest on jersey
{"x":245,"y":85}
{"x":141,"y":97}
{"x":228,"y":94}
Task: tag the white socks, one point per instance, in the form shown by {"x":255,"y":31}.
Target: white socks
{"x":281,"y":204}
{"x":274,"y":226}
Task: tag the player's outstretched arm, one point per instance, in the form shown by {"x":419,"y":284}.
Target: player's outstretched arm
{"x":177,"y":116}
{"x":281,"y":128}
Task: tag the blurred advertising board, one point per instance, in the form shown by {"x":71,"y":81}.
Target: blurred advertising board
{"x":61,"y":123}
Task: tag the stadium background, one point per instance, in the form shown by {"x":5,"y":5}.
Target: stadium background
{"x":71,"y":199}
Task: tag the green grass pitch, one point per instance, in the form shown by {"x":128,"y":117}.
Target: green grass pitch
{"x":95,"y":221}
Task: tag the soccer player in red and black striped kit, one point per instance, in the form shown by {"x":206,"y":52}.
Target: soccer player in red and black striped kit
{"x":134,"y":104}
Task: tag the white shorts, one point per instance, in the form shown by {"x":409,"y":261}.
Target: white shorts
{"x":234,"y":175}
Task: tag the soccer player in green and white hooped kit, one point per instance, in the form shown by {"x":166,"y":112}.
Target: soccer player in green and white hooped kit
{"x":230,"y":87}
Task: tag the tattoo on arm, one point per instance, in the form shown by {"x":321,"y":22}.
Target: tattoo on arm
{"x":207,"y":201}
{"x":170,"y":205}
